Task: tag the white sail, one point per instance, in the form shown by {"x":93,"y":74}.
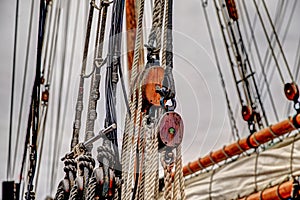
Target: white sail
{"x":248,"y":174}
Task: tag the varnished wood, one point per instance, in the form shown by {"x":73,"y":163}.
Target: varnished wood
{"x":152,"y":78}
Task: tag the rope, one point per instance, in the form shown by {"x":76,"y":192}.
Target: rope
{"x":269,"y":42}
{"x":179,"y":173}
{"x":71,"y":67}
{"x":129,"y":125}
{"x":9,"y":173}
{"x":23,"y":86}
{"x":142,"y":159}
{"x":155,"y":32}
{"x":260,"y":62}
{"x":167,"y":177}
{"x":79,"y":103}
{"x":96,"y":78}
{"x":74,"y":193}
{"x":278,"y":41}
{"x":235,"y":132}
{"x":91,"y":191}
{"x":60,"y":194}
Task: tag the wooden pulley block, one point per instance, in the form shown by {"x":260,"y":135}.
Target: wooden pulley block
{"x":232,"y":10}
{"x":45,"y":96}
{"x":247,"y":113}
{"x":170,"y":129}
{"x":152,"y":80}
{"x":291,"y":91}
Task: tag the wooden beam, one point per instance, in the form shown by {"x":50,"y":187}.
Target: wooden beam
{"x":237,"y":148}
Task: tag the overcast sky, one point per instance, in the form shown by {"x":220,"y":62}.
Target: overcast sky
{"x":199,"y":93}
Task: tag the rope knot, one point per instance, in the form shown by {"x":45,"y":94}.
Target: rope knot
{"x":105,"y":152}
{"x":86,"y":161}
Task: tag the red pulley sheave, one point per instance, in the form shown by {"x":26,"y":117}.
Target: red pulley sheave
{"x":247,"y":113}
{"x":291,"y":91}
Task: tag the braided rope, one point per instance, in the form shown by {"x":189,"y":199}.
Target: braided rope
{"x":156,"y":157}
{"x":164,"y":50}
{"x":129,"y":127}
{"x":125,"y":155}
{"x":91,"y":191}
{"x":167,"y":177}
{"x":142,"y":158}
{"x":60,"y":194}
{"x":79,"y":104}
{"x":148,"y":161}
{"x":135,"y":137}
{"x":74,"y":193}
{"x":179,"y":172}
{"x":155,"y":33}
{"x":96,"y":78}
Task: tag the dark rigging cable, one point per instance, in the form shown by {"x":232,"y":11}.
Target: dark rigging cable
{"x":235,"y":132}
{"x":278,"y":41}
{"x":268,"y":55}
{"x":8,"y":172}
{"x":269,"y":42}
{"x":260,"y":60}
{"x":59,"y":134}
{"x":268,"y":64}
{"x":23,"y":87}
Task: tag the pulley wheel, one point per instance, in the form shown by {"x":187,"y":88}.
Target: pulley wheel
{"x":170,"y":129}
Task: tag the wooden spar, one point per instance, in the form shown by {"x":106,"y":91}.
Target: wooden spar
{"x":278,"y":192}
{"x":253,"y":141}
{"x":130,"y":30}
{"x":131,"y":26}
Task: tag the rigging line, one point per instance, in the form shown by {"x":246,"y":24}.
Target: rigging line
{"x":260,"y":61}
{"x":278,"y":41}
{"x":71,"y":66}
{"x":58,"y":134}
{"x":79,"y":102}
{"x":8,"y":172}
{"x":296,"y":72}
{"x":95,"y":80}
{"x":51,"y":62}
{"x":278,"y":24}
{"x":283,"y":39}
{"x":23,"y":87}
{"x":36,"y":100}
{"x":235,"y":133}
{"x":253,"y":77}
{"x":41,"y":147}
{"x":222,"y":27}
{"x":297,"y":62}
{"x":269,"y":42}
{"x":51,"y":138}
{"x":48,"y":38}
{"x":112,"y":71}
{"x":278,"y":12}
{"x":235,"y":51}
{"x":234,"y":43}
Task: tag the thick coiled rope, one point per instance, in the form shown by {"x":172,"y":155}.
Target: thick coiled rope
{"x":91,"y":191}
{"x":167,"y":177}
{"x":74,"y":193}
{"x":70,"y":174}
{"x":155,"y":33}
{"x":130,"y":121}
{"x":60,"y":194}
